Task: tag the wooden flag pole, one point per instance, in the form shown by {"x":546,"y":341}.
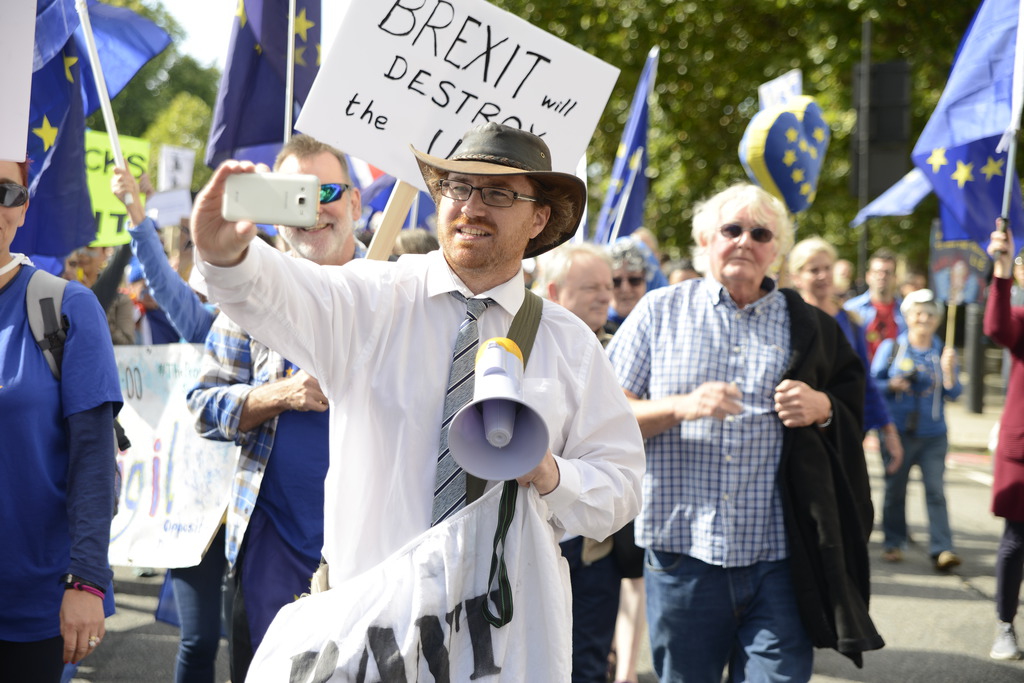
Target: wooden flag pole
{"x":402,"y":196}
{"x":951,"y":324}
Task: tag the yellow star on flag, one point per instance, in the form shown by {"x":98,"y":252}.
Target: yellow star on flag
{"x":805,"y":189}
{"x":803,"y":145}
{"x":937,"y":159}
{"x":47,"y":133}
{"x":68,"y":63}
{"x":318,"y":54}
{"x":240,"y":13}
{"x":792,"y":134}
{"x":258,"y":48}
{"x":299,"y":59}
{"x":992,"y":168}
{"x":813,"y":152}
{"x":819,"y":134}
{"x":963,"y":174}
{"x":797,"y":175}
{"x":789,"y":158}
{"x":302,"y":25}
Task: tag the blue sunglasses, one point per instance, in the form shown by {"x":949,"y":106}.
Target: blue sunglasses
{"x":331,"y":192}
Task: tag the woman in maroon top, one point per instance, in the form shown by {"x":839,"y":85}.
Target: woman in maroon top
{"x":1005,"y":326}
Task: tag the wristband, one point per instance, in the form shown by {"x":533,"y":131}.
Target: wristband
{"x":827,"y":422}
{"x":72,"y":582}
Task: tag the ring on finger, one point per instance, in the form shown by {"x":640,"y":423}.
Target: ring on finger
{"x":94,"y":641}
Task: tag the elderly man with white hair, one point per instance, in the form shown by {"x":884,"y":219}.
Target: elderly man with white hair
{"x":757,"y":507}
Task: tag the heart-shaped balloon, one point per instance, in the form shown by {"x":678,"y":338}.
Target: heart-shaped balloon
{"x":784,"y":148}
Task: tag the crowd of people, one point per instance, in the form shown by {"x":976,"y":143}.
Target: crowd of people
{"x":682,"y":400}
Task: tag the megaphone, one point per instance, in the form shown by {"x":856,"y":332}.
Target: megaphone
{"x":497,"y":436}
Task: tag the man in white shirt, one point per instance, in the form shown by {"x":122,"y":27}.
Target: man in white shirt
{"x":379,"y":338}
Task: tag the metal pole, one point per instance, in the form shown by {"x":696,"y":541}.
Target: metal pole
{"x":289,"y":81}
{"x":863,"y":125}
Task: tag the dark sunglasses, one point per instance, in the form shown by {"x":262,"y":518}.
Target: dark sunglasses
{"x":633,"y":280}
{"x":13,"y":194}
{"x":757,"y":233}
{"x":331,"y":192}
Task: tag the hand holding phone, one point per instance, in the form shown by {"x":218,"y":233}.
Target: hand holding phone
{"x":272,"y":198}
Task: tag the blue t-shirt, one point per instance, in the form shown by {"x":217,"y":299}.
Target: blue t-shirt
{"x":292,"y":492}
{"x":35,"y":456}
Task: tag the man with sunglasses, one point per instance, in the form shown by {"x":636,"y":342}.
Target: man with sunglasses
{"x":278,"y":413}
{"x":758,"y":508}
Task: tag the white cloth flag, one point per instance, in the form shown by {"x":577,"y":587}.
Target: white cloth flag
{"x":418,"y":616}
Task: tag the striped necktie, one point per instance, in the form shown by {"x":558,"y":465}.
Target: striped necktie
{"x":449,"y":482}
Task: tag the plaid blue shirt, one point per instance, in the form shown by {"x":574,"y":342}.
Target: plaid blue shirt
{"x":233,"y":364}
{"x":709,"y":490}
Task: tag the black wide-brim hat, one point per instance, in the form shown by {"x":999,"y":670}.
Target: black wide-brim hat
{"x":497,"y":150}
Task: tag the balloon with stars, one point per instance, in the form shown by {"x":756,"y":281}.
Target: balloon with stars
{"x":783,"y":151}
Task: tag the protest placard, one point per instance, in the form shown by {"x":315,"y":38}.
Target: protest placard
{"x":111,"y":216}
{"x":401,"y":73}
{"x":175,"y":168}
{"x":958,"y":268}
{"x":16,"y":32}
{"x":175,"y":485}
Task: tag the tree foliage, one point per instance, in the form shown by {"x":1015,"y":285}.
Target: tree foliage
{"x":714,"y":56}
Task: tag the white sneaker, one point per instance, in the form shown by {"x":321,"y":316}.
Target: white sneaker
{"x":1005,"y":645}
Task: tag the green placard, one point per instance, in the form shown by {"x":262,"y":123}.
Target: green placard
{"x":111,"y":216}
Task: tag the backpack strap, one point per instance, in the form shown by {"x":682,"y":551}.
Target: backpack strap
{"x":523,"y":330}
{"x":43,"y":299}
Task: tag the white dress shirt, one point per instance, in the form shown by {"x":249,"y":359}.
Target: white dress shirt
{"x":379,"y":338}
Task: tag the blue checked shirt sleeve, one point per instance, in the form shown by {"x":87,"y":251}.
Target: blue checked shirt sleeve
{"x":224,"y":383}
{"x":630,"y":351}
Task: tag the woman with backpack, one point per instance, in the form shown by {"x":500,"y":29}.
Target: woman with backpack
{"x":56,"y":462}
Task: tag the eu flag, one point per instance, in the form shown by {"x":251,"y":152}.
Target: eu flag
{"x":957,"y":149}
{"x":59,"y":217}
{"x":251,"y":101}
{"x":623,"y":209}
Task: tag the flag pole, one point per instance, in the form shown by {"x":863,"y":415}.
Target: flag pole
{"x":289,"y":80}
{"x":101,"y":88}
{"x":620,"y":210}
{"x":1009,"y":139}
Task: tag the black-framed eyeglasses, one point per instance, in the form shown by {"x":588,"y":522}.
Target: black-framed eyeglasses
{"x":757,"y":233}
{"x":331,"y":192}
{"x":491,"y":196}
{"x":633,"y":280}
{"x":13,"y":194}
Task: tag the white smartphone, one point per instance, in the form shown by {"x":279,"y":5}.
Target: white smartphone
{"x":272,"y":198}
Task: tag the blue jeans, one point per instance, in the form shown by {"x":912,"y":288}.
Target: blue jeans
{"x":199,"y":596}
{"x":929,"y":454}
{"x":595,"y":605}
{"x":702,"y":617}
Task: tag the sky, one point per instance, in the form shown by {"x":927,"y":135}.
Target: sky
{"x":208,"y":24}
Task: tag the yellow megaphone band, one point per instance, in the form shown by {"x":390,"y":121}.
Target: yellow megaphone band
{"x":503,"y":342}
